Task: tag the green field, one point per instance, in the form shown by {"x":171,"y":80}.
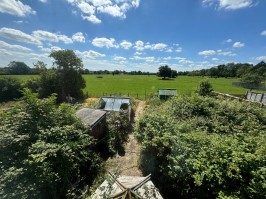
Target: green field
{"x":138,"y":85}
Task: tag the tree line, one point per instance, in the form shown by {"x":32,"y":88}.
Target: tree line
{"x":20,"y":68}
{"x":248,"y":73}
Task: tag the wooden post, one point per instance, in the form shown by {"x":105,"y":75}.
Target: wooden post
{"x":145,"y":94}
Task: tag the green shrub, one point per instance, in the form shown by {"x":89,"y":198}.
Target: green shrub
{"x":9,"y":89}
{"x":205,"y":148}
{"x":118,"y":129}
{"x":205,"y":88}
{"x":45,"y":151}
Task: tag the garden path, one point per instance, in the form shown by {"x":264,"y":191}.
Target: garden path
{"x":127,"y":164}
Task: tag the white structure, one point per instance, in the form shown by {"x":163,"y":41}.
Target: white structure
{"x":127,"y":187}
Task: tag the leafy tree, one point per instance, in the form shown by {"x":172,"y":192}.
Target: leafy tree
{"x":45,"y":151}
{"x":48,"y":83}
{"x":205,"y":88}
{"x":243,"y":69}
{"x":40,"y":66}
{"x":173,"y":73}
{"x":213,"y":72}
{"x":164,"y":71}
{"x":9,"y":89}
{"x":252,"y":78}
{"x":69,"y":70}
{"x":18,"y":68}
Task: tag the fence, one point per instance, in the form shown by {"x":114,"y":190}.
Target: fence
{"x":142,"y":96}
{"x":258,"y":86}
{"x":256,"y":97}
{"x":249,"y":96}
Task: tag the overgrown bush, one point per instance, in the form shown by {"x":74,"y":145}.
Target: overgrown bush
{"x":118,"y":128}
{"x":199,"y":147}
{"x":205,"y":88}
{"x":9,"y":89}
{"x":45,"y":151}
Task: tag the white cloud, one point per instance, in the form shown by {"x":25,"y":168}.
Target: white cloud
{"x":215,"y":59}
{"x":19,"y":36}
{"x":104,"y":42}
{"x":180,"y":58}
{"x":229,"y":40}
{"x":55,"y":48}
{"x":146,"y":59}
{"x":43,"y":1}
{"x":19,"y":21}
{"x":238,"y":45}
{"x":126,"y":44}
{"x":78,"y":37}
{"x":92,"y":54}
{"x":4,"y":52}
{"x":139,"y":45}
{"x":100,"y":2}
{"x":207,"y":53}
{"x":159,"y":46}
{"x":185,"y":61}
{"x":15,"y":7}
{"x":135,"y":3}
{"x":13,"y":47}
{"x":43,"y":35}
{"x":235,"y":4}
{"x":261,"y":58}
{"x":113,"y":10}
{"x":179,"y":50}
{"x":229,"y":4}
{"x":137,"y":53}
{"x":226,"y":53}
{"x":119,"y":58}
{"x":91,"y":9}
{"x":92,"y":19}
{"x":49,"y":50}
{"x":86,"y":8}
{"x":263,"y":33}
{"x":65,"y":39}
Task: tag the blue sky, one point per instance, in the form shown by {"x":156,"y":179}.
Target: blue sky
{"x":134,"y":34}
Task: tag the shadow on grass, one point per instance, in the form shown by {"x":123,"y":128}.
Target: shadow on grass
{"x":167,"y":79}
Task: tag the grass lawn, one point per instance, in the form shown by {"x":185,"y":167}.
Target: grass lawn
{"x":140,"y":84}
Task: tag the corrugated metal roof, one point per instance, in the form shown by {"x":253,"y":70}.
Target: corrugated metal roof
{"x":90,"y":116}
{"x":167,"y":91}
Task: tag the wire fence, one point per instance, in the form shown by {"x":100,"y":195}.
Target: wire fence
{"x":140,"y":96}
{"x":258,"y":86}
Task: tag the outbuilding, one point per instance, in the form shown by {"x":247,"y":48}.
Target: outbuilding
{"x":165,"y":93}
{"x":95,"y":119}
{"x":127,"y":187}
{"x":115,"y":104}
